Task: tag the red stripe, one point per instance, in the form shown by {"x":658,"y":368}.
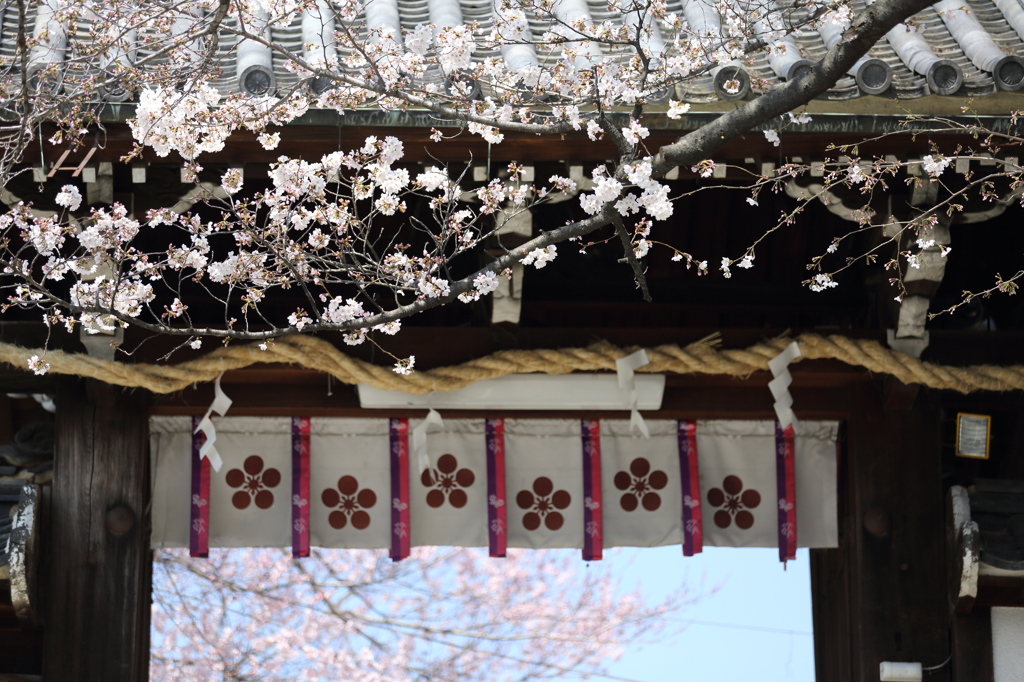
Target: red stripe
{"x":693,"y":528}
{"x":204,"y":510}
{"x":791,"y":489}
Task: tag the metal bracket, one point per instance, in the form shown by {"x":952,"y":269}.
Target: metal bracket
{"x":23,"y":552}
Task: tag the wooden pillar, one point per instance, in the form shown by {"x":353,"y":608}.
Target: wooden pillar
{"x":97,"y":590}
{"x":830,"y":608}
{"x":882,"y":595}
{"x":972,"y":646}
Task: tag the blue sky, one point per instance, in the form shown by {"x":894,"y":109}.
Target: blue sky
{"x":755,"y":625}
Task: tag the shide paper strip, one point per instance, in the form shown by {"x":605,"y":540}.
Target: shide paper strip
{"x":221,"y":404}
{"x":625,"y":367}
{"x":419,"y":438}
{"x":779,"y":386}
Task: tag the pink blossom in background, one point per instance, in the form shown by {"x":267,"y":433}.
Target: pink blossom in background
{"x":442,"y":614}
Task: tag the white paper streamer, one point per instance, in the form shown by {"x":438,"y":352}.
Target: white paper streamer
{"x":625,"y":367}
{"x":779,"y":386}
{"x":419,"y":438}
{"x":221,"y":404}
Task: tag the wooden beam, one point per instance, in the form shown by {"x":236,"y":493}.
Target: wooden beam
{"x":312,"y":141}
{"x":312,"y":400}
{"x":1000,"y":591}
{"x":96,"y":615}
{"x":898,"y":395}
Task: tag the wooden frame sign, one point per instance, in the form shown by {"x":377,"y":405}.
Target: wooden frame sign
{"x":973,"y":433}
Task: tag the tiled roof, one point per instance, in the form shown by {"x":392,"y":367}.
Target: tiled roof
{"x":953,"y":52}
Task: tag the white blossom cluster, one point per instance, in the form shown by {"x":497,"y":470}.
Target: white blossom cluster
{"x":304,"y":233}
{"x":934,"y":165}
{"x":654,"y":198}
{"x":344,"y":231}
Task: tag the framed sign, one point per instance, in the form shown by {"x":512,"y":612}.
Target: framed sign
{"x":973,"y":433}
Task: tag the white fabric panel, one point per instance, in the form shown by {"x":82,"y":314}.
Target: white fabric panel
{"x":817,"y":512}
{"x":1007,"y":652}
{"x":552,"y":450}
{"x":739,"y":485}
{"x":350,"y":466}
{"x":265,"y":520}
{"x":640,"y":485}
{"x":544,"y":483}
{"x":448,"y":501}
{"x":170,"y":451}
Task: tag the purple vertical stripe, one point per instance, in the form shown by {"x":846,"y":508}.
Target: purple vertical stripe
{"x":199,"y":508}
{"x":593,"y":541}
{"x":300,"y":487}
{"x":683,"y":440}
{"x":396,"y":489}
{"x":400,"y":529}
{"x":780,"y":485}
{"x":496,"y":509}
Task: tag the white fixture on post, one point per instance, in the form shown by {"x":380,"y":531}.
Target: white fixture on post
{"x":889,"y":671}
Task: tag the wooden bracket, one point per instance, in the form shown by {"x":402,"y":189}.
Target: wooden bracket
{"x":76,"y":168}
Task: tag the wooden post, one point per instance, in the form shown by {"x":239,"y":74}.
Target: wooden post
{"x":882,"y":595}
{"x":972,"y":646}
{"x":97,"y":592}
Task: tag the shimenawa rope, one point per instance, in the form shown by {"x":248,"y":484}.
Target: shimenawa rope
{"x":701,"y":357}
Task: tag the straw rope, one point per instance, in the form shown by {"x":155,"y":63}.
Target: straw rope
{"x":702,"y":357}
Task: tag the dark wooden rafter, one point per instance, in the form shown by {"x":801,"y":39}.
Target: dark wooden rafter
{"x":312,"y":141}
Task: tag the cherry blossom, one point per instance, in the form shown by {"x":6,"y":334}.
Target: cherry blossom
{"x":325,"y":228}
{"x":405,"y":365}
{"x":37,"y":366}
{"x":676,"y":109}
{"x":821,"y":282}
{"x":355,"y":615}
{"x":635,"y":132}
{"x":934,"y":166}
{"x":540,"y":257}
{"x":69,"y":197}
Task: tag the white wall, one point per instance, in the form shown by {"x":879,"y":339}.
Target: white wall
{"x":1008,"y":644}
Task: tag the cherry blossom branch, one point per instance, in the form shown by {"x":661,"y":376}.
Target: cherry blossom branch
{"x":630,"y":257}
